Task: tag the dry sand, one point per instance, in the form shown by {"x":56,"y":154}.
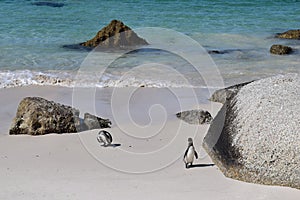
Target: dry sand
{"x":74,"y":166}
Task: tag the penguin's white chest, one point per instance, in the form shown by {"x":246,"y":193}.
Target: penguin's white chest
{"x":190,"y":155}
{"x":102,"y":138}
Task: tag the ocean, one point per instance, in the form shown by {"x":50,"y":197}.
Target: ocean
{"x":32,"y":39}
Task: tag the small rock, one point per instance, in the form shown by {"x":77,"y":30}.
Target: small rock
{"x":215,"y":52}
{"x":94,"y":122}
{"x":291,"y":34}
{"x":224,"y":94}
{"x":224,"y":51}
{"x":195,"y":116}
{"x":280,"y":49}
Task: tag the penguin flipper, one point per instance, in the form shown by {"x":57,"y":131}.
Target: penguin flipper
{"x":185,"y":153}
{"x":108,"y":135}
{"x":99,"y":140}
{"x":196,"y":154}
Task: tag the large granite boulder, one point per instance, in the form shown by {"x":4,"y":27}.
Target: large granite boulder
{"x":256,"y":135}
{"x":195,"y":116}
{"x":115,"y":35}
{"x":291,"y":34}
{"x":280,"y":49}
{"x":38,"y":116}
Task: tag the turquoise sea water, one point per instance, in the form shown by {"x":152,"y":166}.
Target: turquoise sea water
{"x":31,"y":37}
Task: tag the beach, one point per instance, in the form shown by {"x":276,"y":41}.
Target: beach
{"x":181,"y":53}
{"x":74,"y":166}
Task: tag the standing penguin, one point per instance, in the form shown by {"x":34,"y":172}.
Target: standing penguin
{"x":189,"y":154}
{"x":104,"y":137}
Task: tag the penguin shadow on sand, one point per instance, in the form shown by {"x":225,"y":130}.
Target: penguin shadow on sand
{"x":105,"y":139}
{"x":189,"y":155}
{"x":200,"y":165}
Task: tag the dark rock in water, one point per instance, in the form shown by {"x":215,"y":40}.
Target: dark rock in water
{"x":225,"y":51}
{"x":224,"y":94}
{"x":115,"y":35}
{"x":280,"y":49}
{"x":215,"y":52}
{"x":38,"y":116}
{"x":291,"y":34}
{"x":48,"y":3}
{"x":77,"y":47}
{"x":255,"y":135}
{"x":195,"y":116}
{"x":94,"y":122}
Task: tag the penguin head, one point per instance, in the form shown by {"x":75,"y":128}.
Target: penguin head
{"x":190,"y":141}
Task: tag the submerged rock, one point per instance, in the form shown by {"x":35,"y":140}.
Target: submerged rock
{"x":280,"y":49}
{"x":256,"y":135}
{"x":224,"y":51}
{"x":38,"y":116}
{"x":195,"y":116}
{"x":216,"y":52}
{"x":291,"y":34}
{"x":48,"y":3}
{"x":115,"y":35}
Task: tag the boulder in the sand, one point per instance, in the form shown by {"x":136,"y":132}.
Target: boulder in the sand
{"x":280,"y":49}
{"x":115,"y":35}
{"x":94,"y":122}
{"x":256,"y":135}
{"x":291,"y":34}
{"x":195,"y":116}
{"x":38,"y":116}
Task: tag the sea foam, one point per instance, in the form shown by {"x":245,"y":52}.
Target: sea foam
{"x":19,"y":78}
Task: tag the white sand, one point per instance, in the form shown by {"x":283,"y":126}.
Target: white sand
{"x":74,"y":166}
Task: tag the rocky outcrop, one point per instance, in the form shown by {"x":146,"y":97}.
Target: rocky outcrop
{"x":256,"y":135}
{"x":38,"y":116}
{"x":195,"y":116}
{"x":94,"y":122}
{"x":280,"y":49}
{"x":115,"y":35}
{"x":291,"y":34}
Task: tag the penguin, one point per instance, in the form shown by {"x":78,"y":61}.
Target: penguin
{"x":105,"y":138}
{"x":189,"y":154}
